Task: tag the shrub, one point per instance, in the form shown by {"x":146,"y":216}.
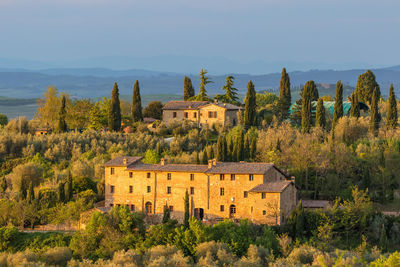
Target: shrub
{"x":57,"y":256}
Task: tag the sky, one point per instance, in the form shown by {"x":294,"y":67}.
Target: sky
{"x":310,"y":33}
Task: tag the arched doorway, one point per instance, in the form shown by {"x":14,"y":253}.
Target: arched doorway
{"x":199,"y":213}
{"x":232,"y":211}
{"x":148,"y":208}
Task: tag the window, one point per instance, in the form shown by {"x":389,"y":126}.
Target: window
{"x":212,"y":114}
{"x":222,"y":177}
{"x":112,"y":171}
{"x":171,"y":208}
{"x":130,"y":174}
{"x":132,"y":208}
{"x":245,"y":194}
{"x":186,"y":115}
{"x":112,"y":189}
{"x":221,"y":191}
{"x":263,"y":195}
{"x":168,"y":190}
{"x":192,"y":190}
{"x":148,"y":189}
{"x":130,"y":189}
{"x":221,"y":208}
{"x":264,"y":212}
{"x":118,"y":205}
{"x":168,"y":176}
{"x":195,"y":115}
{"x":233,"y":177}
{"x":111,"y":205}
{"x":251,"y":177}
{"x":148,"y":175}
{"x":232,"y":209}
{"x":148,"y":207}
{"x":191,"y":177}
{"x":174,"y":114}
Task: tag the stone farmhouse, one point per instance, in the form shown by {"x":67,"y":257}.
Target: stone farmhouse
{"x":201,"y":112}
{"x":260,"y":192}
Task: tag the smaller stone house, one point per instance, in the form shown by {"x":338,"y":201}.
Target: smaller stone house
{"x":201,"y":112}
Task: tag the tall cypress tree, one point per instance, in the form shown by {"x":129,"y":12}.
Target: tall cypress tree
{"x":167,"y":214}
{"x":253,"y":148}
{"x":230,"y":92}
{"x":240,"y":146}
{"x":320,"y":115}
{"x":68,"y":188}
{"x":391,"y":118}
{"x":22,"y":189}
{"x":62,"y":125}
{"x":187,"y":211}
{"x":30,"y":196}
{"x":3,"y":184}
{"x":375,"y":116}
{"x":136,"y":103}
{"x":114,"y":115}
{"x":188,"y":89}
{"x":221,"y":148}
{"x":250,"y":107}
{"x":61,"y":192}
{"x":355,"y":107}
{"x":338,"y":108}
{"x":285,"y":98}
{"x":204,"y":80}
{"x":306,"y":106}
{"x":204,"y":158}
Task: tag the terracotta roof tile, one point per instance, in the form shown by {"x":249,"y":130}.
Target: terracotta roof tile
{"x":240,"y":167}
{"x":169,"y":167}
{"x":119,"y":161}
{"x":225,"y":105}
{"x":184,"y":104}
{"x":272,"y":187}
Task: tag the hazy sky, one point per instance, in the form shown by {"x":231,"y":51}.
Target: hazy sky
{"x":341,"y":32}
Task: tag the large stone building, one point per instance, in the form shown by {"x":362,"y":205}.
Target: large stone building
{"x":257,"y":191}
{"x":201,"y":112}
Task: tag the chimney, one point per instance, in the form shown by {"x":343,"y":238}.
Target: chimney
{"x":210,"y":163}
{"x":214,"y":162}
{"x":124,"y":161}
{"x":164,"y":161}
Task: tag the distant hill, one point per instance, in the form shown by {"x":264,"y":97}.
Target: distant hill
{"x":98,"y":82}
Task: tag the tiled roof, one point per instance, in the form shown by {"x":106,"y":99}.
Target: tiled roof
{"x":184,"y":104}
{"x":312,"y":204}
{"x":168,"y":167}
{"x":272,"y":187}
{"x":240,"y":167}
{"x":119,"y":161}
{"x":225,"y":105}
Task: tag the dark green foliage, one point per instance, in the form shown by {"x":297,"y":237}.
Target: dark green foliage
{"x":136,"y":103}
{"x":61,"y":192}
{"x":320,"y":115}
{"x":187,"y":210}
{"x":306,"y":106}
{"x":355,"y":107}
{"x":22,"y":189}
{"x":366,"y":84}
{"x":81,"y":184}
{"x":383,"y":239}
{"x":375,"y":115}
{"x":188,"y":89}
{"x":3,"y":184}
{"x":3,"y":120}
{"x":204,"y":80}
{"x":47,"y":198}
{"x":204,"y":158}
{"x":114,"y":113}
{"x":221,"y":148}
{"x":153,"y":110}
{"x":338,"y":108}
{"x":62,"y":125}
{"x":68,"y":188}
{"x":166,"y":214}
{"x":250,"y":109}
{"x":30,"y":196}
{"x":285,"y":98}
{"x":230,"y":95}
{"x":238,"y":147}
{"x":253,"y":148}
{"x":391,"y":117}
{"x":197,"y":158}
{"x":297,"y":221}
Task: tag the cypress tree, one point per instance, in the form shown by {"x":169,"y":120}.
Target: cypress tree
{"x":220,"y":149}
{"x":383,"y":240}
{"x":355,"y":107}
{"x":391,"y":118}
{"x":299,"y":227}
{"x":253,"y":148}
{"x":188,"y":89}
{"x":187,"y":214}
{"x":230,"y":92}
{"x":22,"y":189}
{"x":114,"y":115}
{"x":167,"y":214}
{"x":320,"y":116}
{"x":240,"y":146}
{"x":30,"y":196}
{"x":68,"y":188}
{"x":204,"y":80}
{"x":229,"y":149}
{"x":211,"y":154}
{"x":204,"y":158}
{"x":197,"y":158}
{"x":250,"y":112}
{"x":366,"y":84}
{"x":61,"y":192}
{"x":338,"y":108}
{"x":306,"y":107}
{"x":375,"y":116}
{"x":62,"y":125}
{"x":285,"y":98}
{"x":159,"y":148}
{"x":136,"y":103}
{"x":246,"y":147}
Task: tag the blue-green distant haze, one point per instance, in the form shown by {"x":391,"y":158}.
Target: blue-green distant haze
{"x":181,"y":36}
